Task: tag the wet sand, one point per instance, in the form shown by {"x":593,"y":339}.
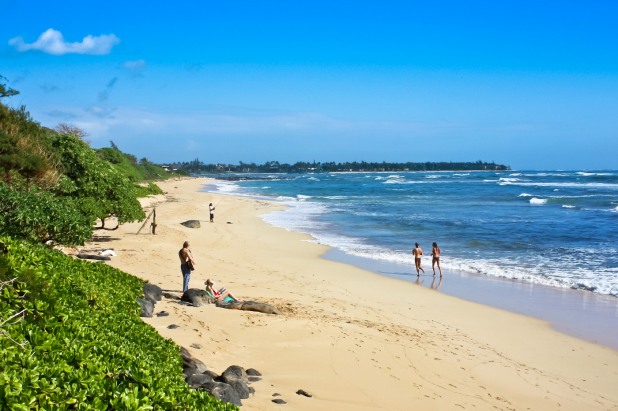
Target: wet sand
{"x":579,"y":313}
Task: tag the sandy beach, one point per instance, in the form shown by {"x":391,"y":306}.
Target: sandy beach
{"x":353,"y":339}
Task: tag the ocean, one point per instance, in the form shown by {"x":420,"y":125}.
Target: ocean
{"x":557,"y":228}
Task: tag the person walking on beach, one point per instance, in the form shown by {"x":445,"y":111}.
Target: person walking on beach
{"x":187,"y":263}
{"x":435,"y":254}
{"x":211,"y":208}
{"x":418,"y":252}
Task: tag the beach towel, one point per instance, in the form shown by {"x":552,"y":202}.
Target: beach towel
{"x":227,"y":299}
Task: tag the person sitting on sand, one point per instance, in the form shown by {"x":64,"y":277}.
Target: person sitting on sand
{"x":219,"y":295}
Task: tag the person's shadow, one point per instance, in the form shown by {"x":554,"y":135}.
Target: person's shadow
{"x":434,"y":285}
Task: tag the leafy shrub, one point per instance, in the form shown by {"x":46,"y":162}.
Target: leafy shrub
{"x":150,"y":189}
{"x":38,"y":216}
{"x":72,"y":339}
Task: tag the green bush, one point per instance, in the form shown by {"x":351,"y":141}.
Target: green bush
{"x":39,"y":216}
{"x":72,"y":339}
{"x":150,"y":189}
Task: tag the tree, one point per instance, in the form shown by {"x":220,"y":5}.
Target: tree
{"x":102,"y":190}
{"x":6,"y":91}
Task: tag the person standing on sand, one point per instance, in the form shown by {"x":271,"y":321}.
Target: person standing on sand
{"x":186,"y":262}
{"x":435,"y":253}
{"x":418,"y":252}
{"x":211,"y":208}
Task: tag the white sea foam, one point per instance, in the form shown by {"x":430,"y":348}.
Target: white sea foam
{"x":535,"y":200}
{"x":557,"y":184}
{"x":568,"y":206}
{"x":525,"y":195}
{"x":313,"y":179}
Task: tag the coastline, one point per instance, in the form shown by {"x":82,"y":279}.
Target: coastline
{"x":581,"y":314}
{"x":352,"y":338}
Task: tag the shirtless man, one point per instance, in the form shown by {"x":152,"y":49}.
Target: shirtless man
{"x":185,"y":257}
{"x":418,"y":252}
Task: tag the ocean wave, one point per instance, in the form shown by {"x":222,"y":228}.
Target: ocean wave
{"x":568,"y":206}
{"x":535,"y":200}
{"x":525,"y":195}
{"x":562,"y":185}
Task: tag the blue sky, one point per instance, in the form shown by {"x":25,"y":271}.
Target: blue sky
{"x":530,"y":84}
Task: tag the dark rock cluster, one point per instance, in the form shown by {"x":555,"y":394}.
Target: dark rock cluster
{"x":231,"y":386}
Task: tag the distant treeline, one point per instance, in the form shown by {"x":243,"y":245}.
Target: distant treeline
{"x":198,"y":167}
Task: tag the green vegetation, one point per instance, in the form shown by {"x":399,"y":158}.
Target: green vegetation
{"x":70,"y":333}
{"x":198,"y":167}
{"x":72,"y":339}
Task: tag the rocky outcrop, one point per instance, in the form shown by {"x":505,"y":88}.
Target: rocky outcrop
{"x":192,"y":223}
{"x":231,"y":386}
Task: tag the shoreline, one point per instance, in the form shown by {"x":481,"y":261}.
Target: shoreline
{"x":354,"y":339}
{"x":578,"y":313}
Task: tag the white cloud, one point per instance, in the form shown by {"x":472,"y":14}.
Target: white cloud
{"x":52,"y":42}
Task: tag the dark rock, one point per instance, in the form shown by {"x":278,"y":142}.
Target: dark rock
{"x":198,"y":380}
{"x":279,"y":401}
{"x":276,"y":394}
{"x":223,"y":392}
{"x":173,"y":326}
{"x":147,"y":307}
{"x":196,"y":297}
{"x":185,"y":354}
{"x":192,"y":366}
{"x":162,"y":314}
{"x":303,"y":392}
{"x":234,"y":373}
{"x":192,"y":223}
{"x":253,"y":372}
{"x":255,"y":379}
{"x":241,"y":388}
{"x":213,"y":374}
{"x":152,"y":292}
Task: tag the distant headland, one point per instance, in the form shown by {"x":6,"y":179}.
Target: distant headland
{"x":198,"y":167}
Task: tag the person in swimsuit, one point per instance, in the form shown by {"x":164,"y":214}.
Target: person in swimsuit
{"x":435,"y":253}
{"x":418,"y":252}
{"x":220,"y":294}
{"x":185,"y":257}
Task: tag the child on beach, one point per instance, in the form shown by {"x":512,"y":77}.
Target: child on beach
{"x":418,"y":252}
{"x":435,"y":253}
